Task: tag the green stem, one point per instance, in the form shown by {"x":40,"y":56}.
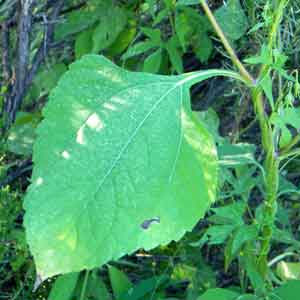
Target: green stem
{"x":244,"y":73}
{"x":273,"y":34}
{"x":276,"y":22}
{"x":271,"y":166}
{"x":271,"y":163}
{"x":84,"y":285}
{"x":266,"y":131}
{"x":269,"y":210}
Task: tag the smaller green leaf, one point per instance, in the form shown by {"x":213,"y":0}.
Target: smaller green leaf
{"x":242,"y":235}
{"x":212,"y":122}
{"x":96,"y":288}
{"x":199,"y":275}
{"x":245,"y":180}
{"x":249,"y":263}
{"x":46,"y":79}
{"x":139,"y":48}
{"x":267,"y":85}
{"x":285,"y":137}
{"x":21,"y":135}
{"x":151,"y":6}
{"x":169,"y":4}
{"x":229,"y":214}
{"x":143,"y":288}
{"x":183,"y":29}
{"x":161,"y":16}
{"x":84,"y":43}
{"x":123,"y":40}
{"x":279,"y":59}
{"x":218,"y":234}
{"x":119,"y":281}
{"x":183,"y":272}
{"x":108,"y":29}
{"x":203,"y":46}
{"x":79,"y":20}
{"x":64,"y":287}
{"x":291,"y":116}
{"x":236,"y":154}
{"x":283,"y":236}
{"x":288,"y":116}
{"x":232,"y":19}
{"x":153,"y":61}
{"x":192,"y":29}
{"x":253,"y":60}
{"x":229,"y":254}
{"x":265,"y":57}
{"x":174,"y":54}
{"x":286,"y":186}
{"x":152,"y":34}
{"x":200,"y":243}
{"x":285,"y":134}
{"x":288,"y":270}
{"x":286,"y":291}
{"x":197,"y":22}
{"x":219,"y":294}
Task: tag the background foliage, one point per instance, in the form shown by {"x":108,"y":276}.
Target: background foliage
{"x":168,"y":38}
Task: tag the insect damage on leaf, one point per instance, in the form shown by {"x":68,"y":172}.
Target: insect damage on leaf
{"x":147,"y":223}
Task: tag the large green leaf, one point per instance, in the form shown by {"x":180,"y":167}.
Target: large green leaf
{"x":120,"y":163}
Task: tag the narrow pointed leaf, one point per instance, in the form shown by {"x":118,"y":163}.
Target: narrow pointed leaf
{"x":63,"y":287}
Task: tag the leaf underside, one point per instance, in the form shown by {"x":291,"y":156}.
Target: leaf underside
{"x":116,"y":149}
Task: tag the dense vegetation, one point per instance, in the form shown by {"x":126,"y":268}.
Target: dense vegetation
{"x":150,"y":149}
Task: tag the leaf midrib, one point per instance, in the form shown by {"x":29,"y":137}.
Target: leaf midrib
{"x":129,"y":141}
{"x":136,"y":130}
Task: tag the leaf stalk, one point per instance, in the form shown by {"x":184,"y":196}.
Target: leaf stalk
{"x":243,"y":71}
{"x":84,"y":285}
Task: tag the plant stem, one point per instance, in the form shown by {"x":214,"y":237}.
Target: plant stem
{"x":269,"y":210}
{"x":276,"y":22}
{"x":244,"y":73}
{"x":271,"y":166}
{"x":273,"y":34}
{"x":271,"y":163}
{"x":84,"y":285}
